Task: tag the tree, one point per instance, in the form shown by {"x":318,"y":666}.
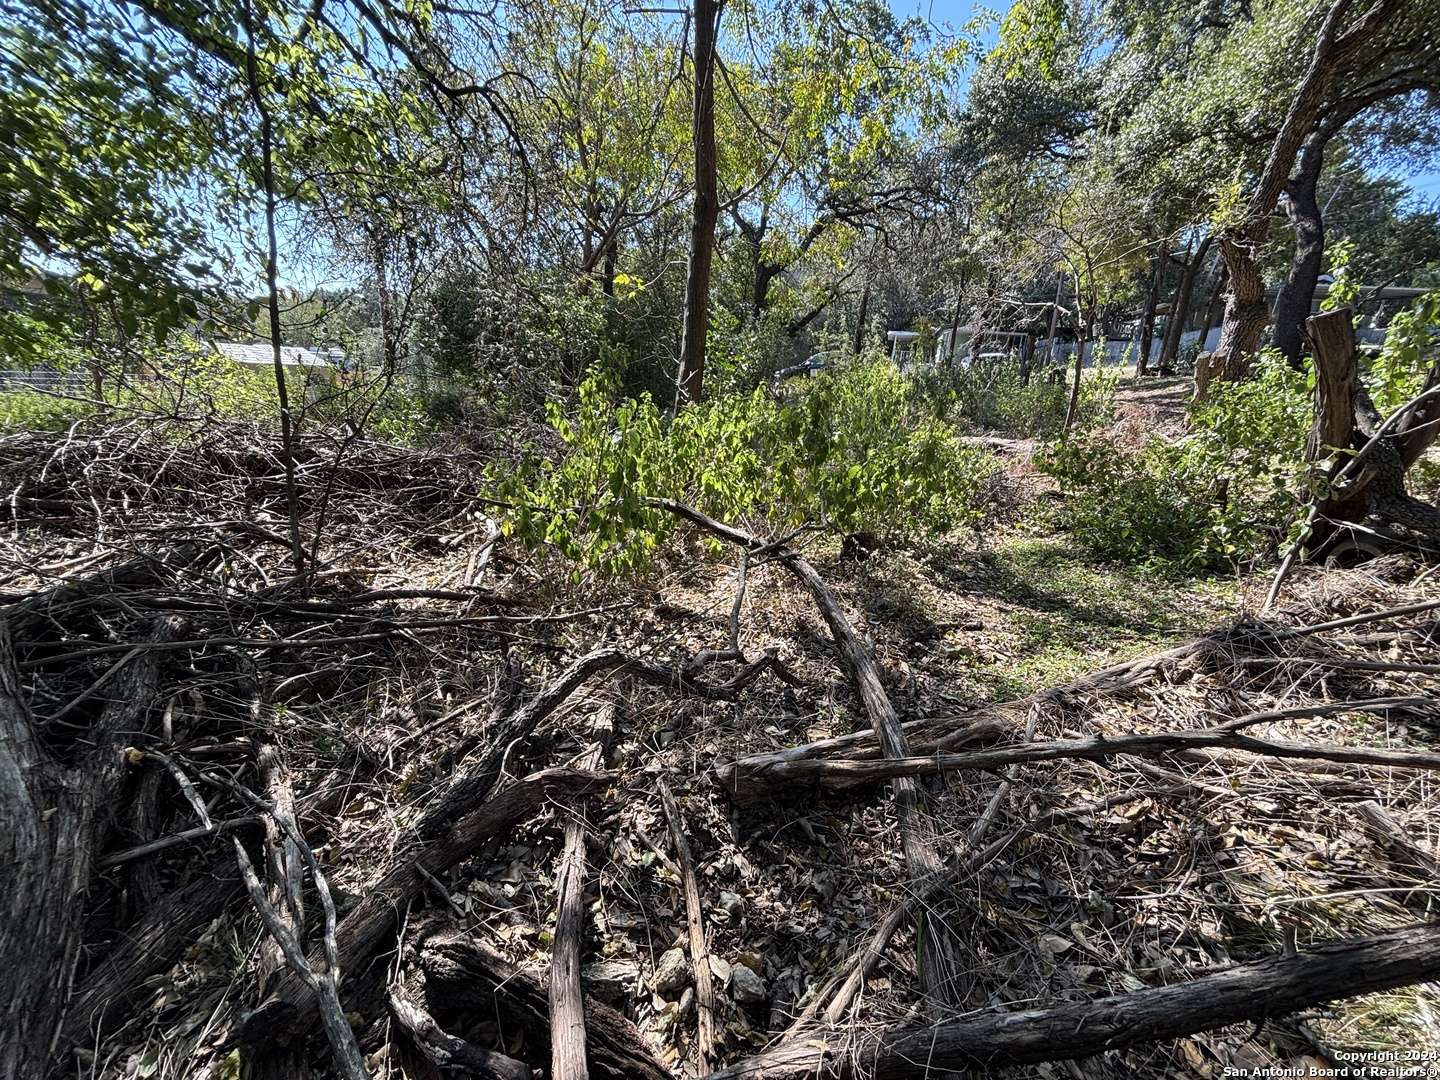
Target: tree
{"x":1340,"y":49}
{"x":705,"y":20}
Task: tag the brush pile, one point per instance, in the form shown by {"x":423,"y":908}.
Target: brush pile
{"x":427,"y":805}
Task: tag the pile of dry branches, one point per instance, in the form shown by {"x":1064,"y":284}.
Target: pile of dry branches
{"x":415,"y":769}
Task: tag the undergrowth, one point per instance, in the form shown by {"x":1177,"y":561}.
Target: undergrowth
{"x":856,"y":450}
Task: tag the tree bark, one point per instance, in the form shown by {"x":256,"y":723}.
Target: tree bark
{"x":464,"y":975}
{"x":54,"y":816}
{"x":1297,"y":292}
{"x":1333,"y":427}
{"x":1242,"y":246}
{"x":1274,"y":987}
{"x":705,"y":20}
{"x":1180,"y":307}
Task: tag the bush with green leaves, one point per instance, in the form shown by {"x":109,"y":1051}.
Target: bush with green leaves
{"x":1225,"y":494}
{"x":990,"y":396}
{"x":1398,"y":372}
{"x":851,"y":449}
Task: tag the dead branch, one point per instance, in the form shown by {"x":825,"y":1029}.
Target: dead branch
{"x":942,"y":967}
{"x":837,"y":774}
{"x":446,"y":1052}
{"x":567,"y":1014}
{"x":695,"y":918}
{"x":1273,"y":987}
{"x":470,"y":977}
{"x":291,"y":1008}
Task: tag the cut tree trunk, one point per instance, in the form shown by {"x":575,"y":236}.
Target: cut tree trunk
{"x":1346,"y":420}
{"x":1250,"y":993}
{"x":55,"y":816}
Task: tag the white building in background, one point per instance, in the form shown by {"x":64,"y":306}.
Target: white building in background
{"x":262,"y":356}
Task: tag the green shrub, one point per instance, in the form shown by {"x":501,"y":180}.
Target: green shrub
{"x":850,"y":449}
{"x":1225,"y":494}
{"x":32,"y":410}
{"x":991,"y":397}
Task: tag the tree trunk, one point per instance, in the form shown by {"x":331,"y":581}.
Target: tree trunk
{"x":955,"y":323}
{"x":54,"y":816}
{"x":1147,"y":318}
{"x":1087,"y":322}
{"x":1297,"y":293}
{"x":1055,"y":320}
{"x":272,"y":294}
{"x":1242,"y":246}
{"x":1180,"y":307}
{"x":863,"y":314}
{"x":690,"y":384}
{"x":1215,"y":309}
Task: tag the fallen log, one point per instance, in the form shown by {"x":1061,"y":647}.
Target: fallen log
{"x":844,"y":773}
{"x":445,"y":1051}
{"x":54,"y":815}
{"x":1271,"y":988}
{"x":114,"y":987}
{"x":469,"y":977}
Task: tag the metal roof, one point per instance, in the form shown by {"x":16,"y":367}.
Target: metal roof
{"x":290,"y":355}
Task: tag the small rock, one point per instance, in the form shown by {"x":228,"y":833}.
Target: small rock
{"x":746,"y":987}
{"x":687,"y":1002}
{"x":732,"y":908}
{"x":671,"y":973}
{"x":611,"y":980}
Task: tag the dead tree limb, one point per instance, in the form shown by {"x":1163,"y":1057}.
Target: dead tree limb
{"x":838,"y":774}
{"x":1270,"y":988}
{"x":291,"y":1009}
{"x":446,"y":1052}
{"x":54,"y":815}
{"x":567,"y":1013}
{"x":695,"y":918}
{"x":469,"y":977}
{"x":942,"y":967}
